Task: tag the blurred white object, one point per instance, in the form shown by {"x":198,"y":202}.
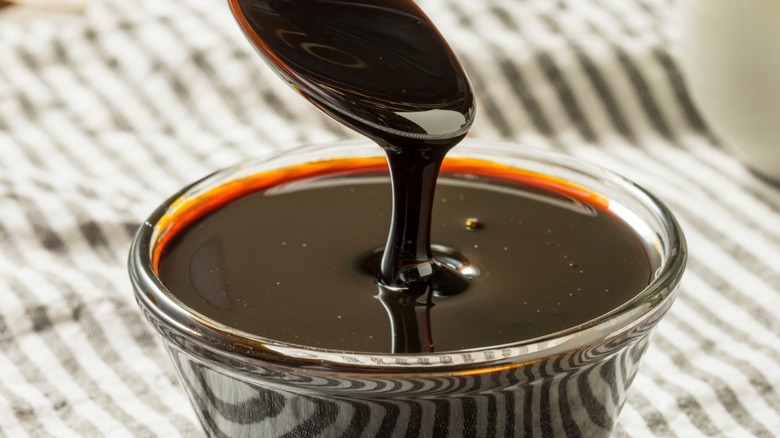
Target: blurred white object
{"x":730,"y":55}
{"x":51,"y":5}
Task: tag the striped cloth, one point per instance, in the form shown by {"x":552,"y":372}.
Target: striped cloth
{"x":104,"y":117}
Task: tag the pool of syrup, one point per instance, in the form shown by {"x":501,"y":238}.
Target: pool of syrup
{"x":289,"y":255}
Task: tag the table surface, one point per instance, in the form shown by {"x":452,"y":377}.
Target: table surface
{"x":107,"y":111}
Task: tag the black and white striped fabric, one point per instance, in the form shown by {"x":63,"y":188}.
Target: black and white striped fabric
{"x":104,"y":117}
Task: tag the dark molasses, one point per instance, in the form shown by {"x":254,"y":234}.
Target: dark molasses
{"x":286,"y":258}
{"x":303,"y":262}
{"x":382,"y":68}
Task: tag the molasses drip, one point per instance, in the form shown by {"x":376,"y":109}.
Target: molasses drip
{"x":381,"y":68}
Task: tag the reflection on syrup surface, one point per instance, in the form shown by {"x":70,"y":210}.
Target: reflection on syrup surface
{"x":282,"y":255}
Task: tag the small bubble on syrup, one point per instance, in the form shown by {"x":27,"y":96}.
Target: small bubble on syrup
{"x":473,"y":223}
